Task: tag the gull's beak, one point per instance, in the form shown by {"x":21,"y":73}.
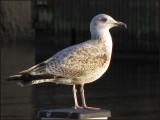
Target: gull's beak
{"x":120,"y":24}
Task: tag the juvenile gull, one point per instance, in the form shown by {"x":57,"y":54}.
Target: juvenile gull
{"x":78,"y":64}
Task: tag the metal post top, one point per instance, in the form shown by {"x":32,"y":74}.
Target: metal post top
{"x":74,"y":113}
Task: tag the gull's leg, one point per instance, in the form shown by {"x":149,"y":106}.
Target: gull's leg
{"x":75,"y":97}
{"x":83,"y":100}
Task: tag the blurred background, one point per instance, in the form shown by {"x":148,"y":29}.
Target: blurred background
{"x":33,"y":31}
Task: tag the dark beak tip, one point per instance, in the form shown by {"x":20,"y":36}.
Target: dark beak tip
{"x":123,"y":25}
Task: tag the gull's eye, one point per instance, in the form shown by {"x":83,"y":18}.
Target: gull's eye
{"x":104,"y":19}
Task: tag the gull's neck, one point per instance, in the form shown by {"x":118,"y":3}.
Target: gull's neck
{"x":103,"y":35}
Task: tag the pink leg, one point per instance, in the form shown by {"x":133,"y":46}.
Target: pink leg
{"x":83,"y":100}
{"x":75,"y":97}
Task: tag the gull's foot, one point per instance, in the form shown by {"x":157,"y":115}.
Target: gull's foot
{"x":77,"y":106}
{"x":90,"y":108}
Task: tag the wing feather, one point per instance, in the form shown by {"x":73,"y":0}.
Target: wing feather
{"x":74,"y":62}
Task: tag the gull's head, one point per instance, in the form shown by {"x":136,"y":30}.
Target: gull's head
{"x":103,"y":22}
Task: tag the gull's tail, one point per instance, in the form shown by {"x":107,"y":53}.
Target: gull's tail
{"x":27,"y":79}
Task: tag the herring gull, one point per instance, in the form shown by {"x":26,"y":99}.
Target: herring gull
{"x":78,"y":64}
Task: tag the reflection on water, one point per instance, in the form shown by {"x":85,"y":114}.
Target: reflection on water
{"x":129,"y":89}
{"x":16,"y":101}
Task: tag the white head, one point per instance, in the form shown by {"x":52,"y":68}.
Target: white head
{"x":101,"y":24}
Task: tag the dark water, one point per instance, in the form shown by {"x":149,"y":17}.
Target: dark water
{"x":129,"y":88}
